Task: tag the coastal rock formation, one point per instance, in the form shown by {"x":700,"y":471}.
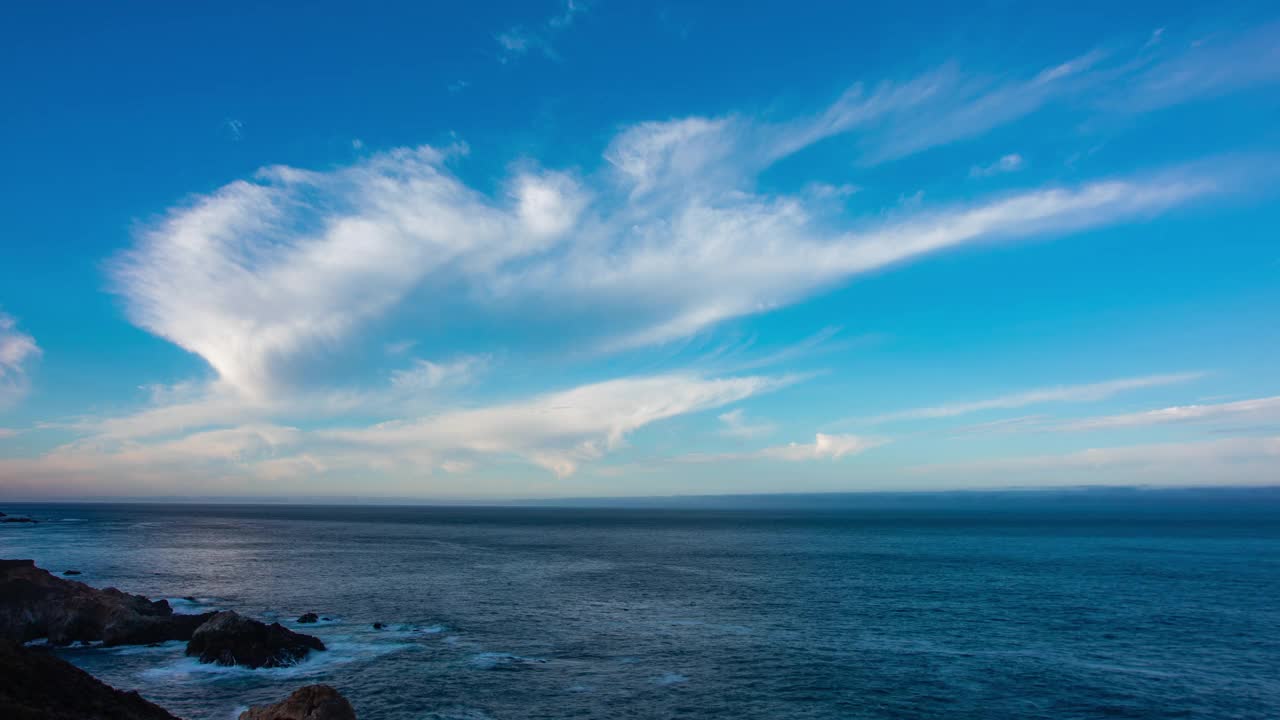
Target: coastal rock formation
{"x":308,"y":618}
{"x":313,"y":702}
{"x":229,"y":638}
{"x":36,"y":604}
{"x":70,"y":572}
{"x":37,"y":685}
{"x":17,"y":520}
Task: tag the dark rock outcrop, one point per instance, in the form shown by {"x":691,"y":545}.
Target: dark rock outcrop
{"x":378,"y":626}
{"x":70,"y":572}
{"x":308,"y":618}
{"x":229,"y":638}
{"x":17,"y":520}
{"x":35,"y":604}
{"x":313,"y":702}
{"x":37,"y":685}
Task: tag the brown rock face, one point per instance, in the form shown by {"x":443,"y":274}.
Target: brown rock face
{"x":229,"y":638}
{"x":35,"y":604}
{"x":313,"y":702}
{"x":37,"y":685}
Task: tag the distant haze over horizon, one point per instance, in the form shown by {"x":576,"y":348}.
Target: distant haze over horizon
{"x":563,"y":250}
{"x":1262,"y":498}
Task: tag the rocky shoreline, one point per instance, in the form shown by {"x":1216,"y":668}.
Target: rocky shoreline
{"x":35,"y":604}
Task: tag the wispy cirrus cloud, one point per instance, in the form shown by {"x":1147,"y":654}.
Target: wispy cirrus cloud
{"x":557,"y":431}
{"x":1254,"y":409}
{"x":426,"y":375}
{"x":519,"y":40}
{"x":823,"y":447}
{"x":17,"y":351}
{"x":1249,"y":460}
{"x":734,"y":424}
{"x":1006,"y":164}
{"x":1087,"y":392}
{"x":661,"y":244}
{"x":665,"y":238}
{"x":562,"y":429}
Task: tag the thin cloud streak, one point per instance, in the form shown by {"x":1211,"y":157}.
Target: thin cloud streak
{"x":1267,"y":408}
{"x":1230,"y":460}
{"x":1090,"y":392}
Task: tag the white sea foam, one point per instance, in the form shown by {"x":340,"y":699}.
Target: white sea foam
{"x":193,"y":606}
{"x":339,"y":652}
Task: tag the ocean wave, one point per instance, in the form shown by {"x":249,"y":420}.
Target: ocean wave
{"x":164,"y":648}
{"x":340,"y":652}
{"x":503,"y":661}
{"x":191,"y":606}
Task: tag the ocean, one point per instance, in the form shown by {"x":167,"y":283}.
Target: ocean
{"x":1142,"y":605}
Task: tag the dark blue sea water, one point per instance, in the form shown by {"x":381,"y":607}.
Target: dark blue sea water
{"x":1132,"y":607}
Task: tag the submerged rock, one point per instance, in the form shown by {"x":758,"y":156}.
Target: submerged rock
{"x":229,"y":638}
{"x":35,"y":604}
{"x":378,"y":626}
{"x":36,"y":684}
{"x":17,"y":520}
{"x":70,"y":572}
{"x":308,"y":618}
{"x":313,"y":702}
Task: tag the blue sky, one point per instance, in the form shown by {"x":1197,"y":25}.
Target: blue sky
{"x":576,"y":248}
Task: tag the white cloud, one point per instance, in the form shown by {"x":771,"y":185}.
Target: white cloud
{"x":736,"y":425}
{"x":557,"y":431}
{"x":426,"y":375}
{"x":17,"y":351}
{"x":561,"y":429}
{"x":1090,"y":392}
{"x":260,"y":273}
{"x":1219,"y":64}
{"x":895,"y":119}
{"x":1267,"y":408}
{"x":1006,"y":164}
{"x":257,"y":272}
{"x":823,"y":447}
{"x":519,"y":39}
{"x":666,"y":239}
{"x":399,"y":347}
{"x":832,"y":447}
